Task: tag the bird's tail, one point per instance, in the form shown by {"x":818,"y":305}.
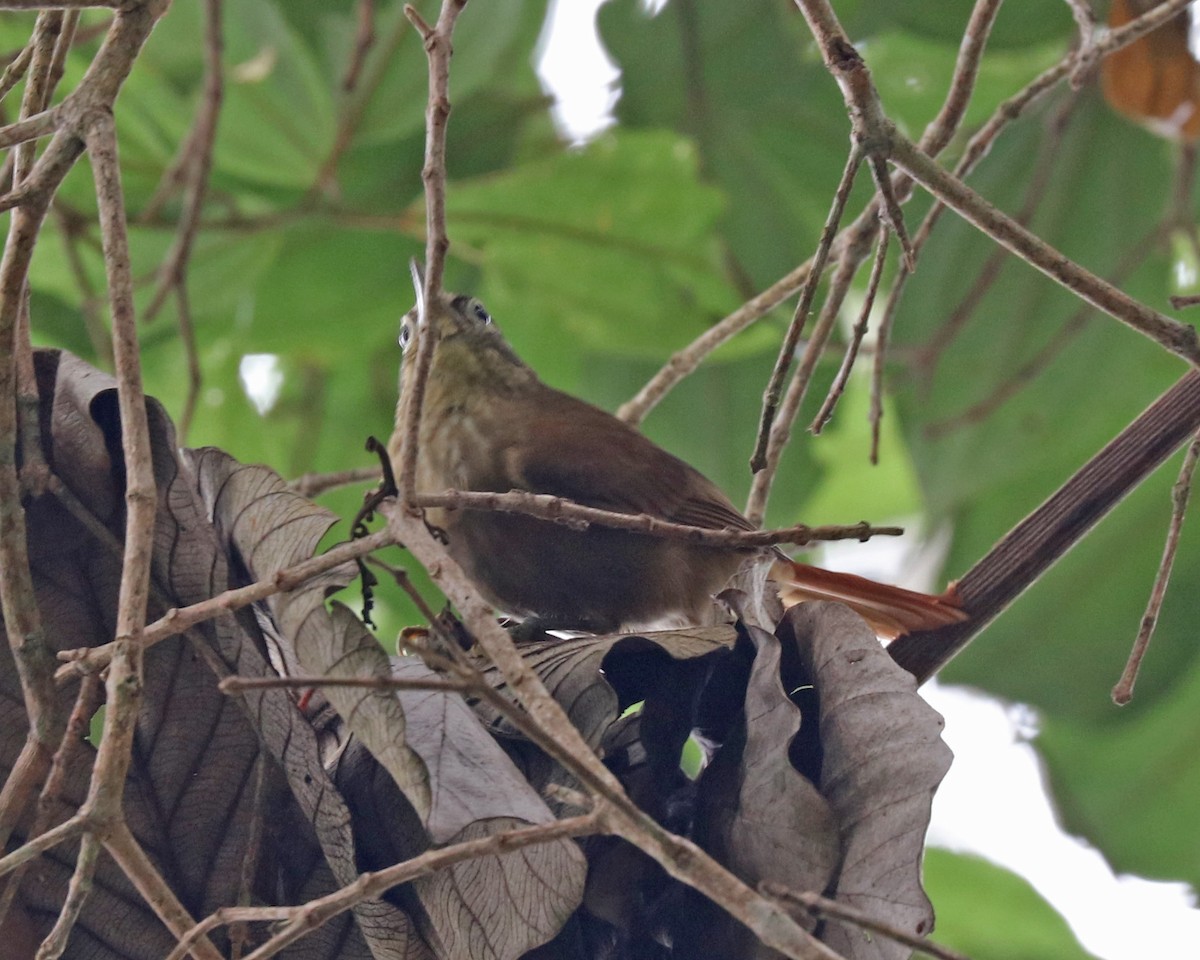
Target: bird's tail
{"x":891,"y":611}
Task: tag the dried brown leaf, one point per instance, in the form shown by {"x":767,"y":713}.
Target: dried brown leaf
{"x":882,"y":760}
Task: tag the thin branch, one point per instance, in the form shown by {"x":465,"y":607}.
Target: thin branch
{"x":313,"y":484}
{"x":781,"y":431}
{"x":15,"y":70}
{"x":240,"y":684}
{"x":177,"y":620}
{"x":28,"y":772}
{"x":370,"y":885}
{"x":364,"y":39}
{"x":935,"y":138}
{"x":228,"y":916}
{"x":31,"y":128}
{"x":879,"y":361}
{"x":1085,"y":18}
{"x":856,"y":337}
{"x":1123,"y":692}
{"x":579,"y":517}
{"x":437,"y":51}
{"x":123,"y":847}
{"x":78,"y":889}
{"x":824,"y":907}
{"x":18,"y":601}
{"x":1179,"y":339}
{"x":937,"y":135}
{"x":1013,"y":383}
{"x":771,"y":397}
{"x":198,"y":165}
{"x":941,"y":129}
{"x":65,"y":831}
{"x":37,"y":84}
{"x":86,"y":703}
{"x":187,"y":334}
{"x":1087,"y":59}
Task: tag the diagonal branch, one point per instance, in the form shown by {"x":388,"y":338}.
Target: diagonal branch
{"x":681,"y":858}
{"x":1176,"y":337}
{"x":438,"y":50}
{"x":1038,"y":541}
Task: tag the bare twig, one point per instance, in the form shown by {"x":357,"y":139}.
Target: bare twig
{"x":1173,"y":336}
{"x":1087,"y":59}
{"x":774,"y":391}
{"x":86,"y":703}
{"x":1123,"y":692}
{"x":868,"y":124}
{"x":437,"y":50}
{"x":78,"y":890}
{"x":197,"y":165}
{"x":941,"y":129}
{"x":578,"y":516}
{"x":174,"y":621}
{"x":935,"y":138}
{"x":364,"y":39}
{"x":228,"y":916}
{"x":308,"y":917}
{"x":18,"y":602}
{"x":131,"y":858}
{"x":313,"y":484}
{"x":781,"y":430}
{"x":856,"y":338}
{"x":1014,"y":382}
{"x":824,"y":907}
{"x":103,"y":808}
{"x":240,"y":684}
{"x":187,"y":333}
{"x":15,"y":70}
{"x":65,"y":831}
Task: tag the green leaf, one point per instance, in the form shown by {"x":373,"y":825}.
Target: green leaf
{"x":744,"y":81}
{"x":1100,"y":772}
{"x":989,"y":913}
{"x":626,"y":271}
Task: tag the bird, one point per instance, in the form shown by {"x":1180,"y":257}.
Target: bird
{"x":489,"y":424}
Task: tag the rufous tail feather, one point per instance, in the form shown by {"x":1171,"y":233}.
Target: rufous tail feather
{"x":891,"y":611}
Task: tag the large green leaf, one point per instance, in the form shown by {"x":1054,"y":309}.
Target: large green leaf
{"x":626,"y":271}
{"x":991,"y":914}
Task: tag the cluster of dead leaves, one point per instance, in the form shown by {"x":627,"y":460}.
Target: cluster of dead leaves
{"x":822,"y":758}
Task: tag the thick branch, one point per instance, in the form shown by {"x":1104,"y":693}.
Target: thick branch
{"x":1024,"y":554}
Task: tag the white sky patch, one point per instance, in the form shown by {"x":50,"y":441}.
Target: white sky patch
{"x":993,"y":803}
{"x":575,"y":69}
{"x":262,"y":379}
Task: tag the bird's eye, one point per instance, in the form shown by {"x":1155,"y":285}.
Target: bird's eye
{"x":405,"y":337}
{"x":480,"y":313}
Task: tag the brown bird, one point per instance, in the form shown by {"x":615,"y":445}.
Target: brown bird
{"x":489,"y":424}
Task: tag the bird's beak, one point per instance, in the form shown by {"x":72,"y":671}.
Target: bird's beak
{"x":418,"y":279}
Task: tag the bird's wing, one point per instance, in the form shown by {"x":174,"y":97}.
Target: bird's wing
{"x":580,"y":452}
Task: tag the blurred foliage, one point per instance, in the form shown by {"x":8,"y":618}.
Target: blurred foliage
{"x":988,"y":913}
{"x":599,"y":260}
